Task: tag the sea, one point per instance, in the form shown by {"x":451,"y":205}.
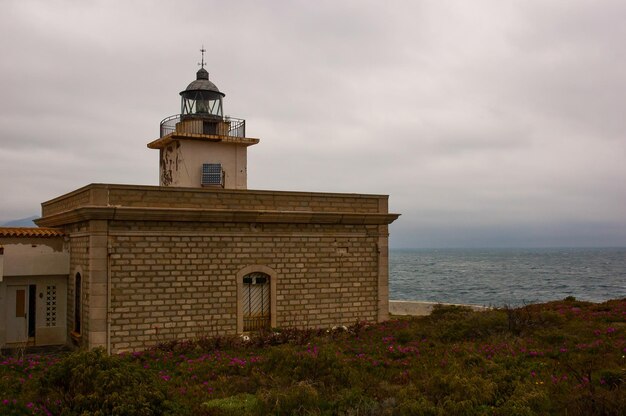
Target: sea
{"x":507,"y":276}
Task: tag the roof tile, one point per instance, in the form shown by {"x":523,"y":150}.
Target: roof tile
{"x":30,"y":232}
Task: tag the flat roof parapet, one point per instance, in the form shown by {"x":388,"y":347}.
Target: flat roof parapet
{"x":108,"y":201}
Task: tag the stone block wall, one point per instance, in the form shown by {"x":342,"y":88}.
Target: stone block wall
{"x":223,"y":199}
{"x":243,"y":200}
{"x":168,"y":263}
{"x":78,"y":198}
{"x":177,"y":284}
{"x":79,"y":261}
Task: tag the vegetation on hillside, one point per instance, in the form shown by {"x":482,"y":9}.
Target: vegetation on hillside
{"x":565,"y":357}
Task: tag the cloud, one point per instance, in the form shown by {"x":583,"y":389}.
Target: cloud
{"x":491,"y":123}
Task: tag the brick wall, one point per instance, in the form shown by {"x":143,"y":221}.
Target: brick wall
{"x":171,"y":283}
{"x":176,"y":274}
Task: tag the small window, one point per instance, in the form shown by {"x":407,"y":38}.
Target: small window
{"x":209,"y":127}
{"x":1,"y":262}
{"x":212,"y":174}
{"x":77,"y":303}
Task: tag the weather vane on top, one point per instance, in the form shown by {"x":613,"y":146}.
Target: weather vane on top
{"x":203,"y":51}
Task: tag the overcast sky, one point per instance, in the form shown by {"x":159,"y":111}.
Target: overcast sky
{"x":489,"y":123}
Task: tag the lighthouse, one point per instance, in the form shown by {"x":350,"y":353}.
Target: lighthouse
{"x":200,"y":147}
{"x":125,"y":267}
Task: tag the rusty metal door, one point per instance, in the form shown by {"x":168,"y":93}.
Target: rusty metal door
{"x":256,"y":302}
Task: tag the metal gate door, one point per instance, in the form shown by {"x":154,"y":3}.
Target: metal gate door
{"x":256,"y":301}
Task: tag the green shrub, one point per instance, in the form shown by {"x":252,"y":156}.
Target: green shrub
{"x":354,"y":401}
{"x":590,"y":403}
{"x":564,"y":357}
{"x":526,"y":400}
{"x":414,"y":407}
{"x":298,"y":399}
{"x":612,"y":379}
{"x":412,"y":402}
{"x":405,"y":336}
{"x":318,"y":364}
{"x":456,"y":323}
{"x":93,"y":383}
{"x":461,"y":388}
{"x":241,"y":404}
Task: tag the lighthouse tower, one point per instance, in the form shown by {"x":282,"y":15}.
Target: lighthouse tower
{"x":200,"y":147}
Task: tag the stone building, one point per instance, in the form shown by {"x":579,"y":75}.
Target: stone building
{"x":34,"y":265}
{"x":203,"y":255}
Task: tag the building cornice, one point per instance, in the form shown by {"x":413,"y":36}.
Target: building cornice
{"x":113,"y":213}
{"x":164,"y":141}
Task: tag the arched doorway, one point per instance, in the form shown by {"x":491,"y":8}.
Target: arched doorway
{"x":256,"y":301}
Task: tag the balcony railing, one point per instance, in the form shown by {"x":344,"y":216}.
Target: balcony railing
{"x":237,"y":126}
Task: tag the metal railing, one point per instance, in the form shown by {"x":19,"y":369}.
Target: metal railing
{"x":237,"y":126}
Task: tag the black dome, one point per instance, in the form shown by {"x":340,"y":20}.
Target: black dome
{"x":202,"y":83}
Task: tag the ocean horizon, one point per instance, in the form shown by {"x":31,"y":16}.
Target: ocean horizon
{"x":507,"y":276}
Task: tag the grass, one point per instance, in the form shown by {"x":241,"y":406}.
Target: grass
{"x":565,"y":357}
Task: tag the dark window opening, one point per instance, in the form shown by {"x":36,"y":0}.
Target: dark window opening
{"x":77,"y":302}
{"x":209,"y":127}
{"x":32,"y":310}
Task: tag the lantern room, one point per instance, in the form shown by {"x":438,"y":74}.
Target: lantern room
{"x":202,"y":98}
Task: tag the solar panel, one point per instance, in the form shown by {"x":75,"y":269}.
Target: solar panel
{"x":211,"y":174}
